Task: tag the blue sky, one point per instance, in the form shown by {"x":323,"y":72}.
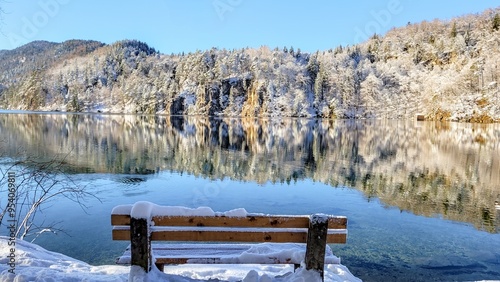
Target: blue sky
{"x":184,"y":25}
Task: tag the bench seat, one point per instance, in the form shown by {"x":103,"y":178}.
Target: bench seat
{"x":263,"y":253}
{"x":224,"y":238}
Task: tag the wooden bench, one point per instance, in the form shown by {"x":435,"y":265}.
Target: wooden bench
{"x":144,"y":222}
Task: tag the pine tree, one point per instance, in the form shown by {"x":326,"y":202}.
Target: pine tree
{"x":313,"y":67}
{"x":320,"y":84}
{"x":32,"y":92}
{"x":454,"y":32}
{"x":496,"y":22}
{"x":75,"y":104}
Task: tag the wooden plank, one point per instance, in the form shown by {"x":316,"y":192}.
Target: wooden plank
{"x":250,"y":221}
{"x":124,"y":235}
{"x":334,"y":222}
{"x":217,"y":260}
{"x":229,"y":236}
{"x":337,"y":222}
{"x":120,"y":219}
{"x":316,"y":244}
{"x":120,"y":234}
{"x":218,"y":221}
{"x":194,"y":253}
{"x":221,"y":260}
{"x":339,"y":238}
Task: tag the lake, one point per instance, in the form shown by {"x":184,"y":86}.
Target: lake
{"x":422,"y":198}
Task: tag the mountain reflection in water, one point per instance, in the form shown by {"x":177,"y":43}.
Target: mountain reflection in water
{"x":448,"y":170}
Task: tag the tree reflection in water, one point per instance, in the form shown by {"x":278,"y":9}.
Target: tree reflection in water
{"x":449,"y":170}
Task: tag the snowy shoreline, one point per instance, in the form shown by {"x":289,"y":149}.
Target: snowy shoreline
{"x":34,"y":263}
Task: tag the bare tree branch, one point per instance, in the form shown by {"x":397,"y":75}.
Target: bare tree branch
{"x":40,"y":183}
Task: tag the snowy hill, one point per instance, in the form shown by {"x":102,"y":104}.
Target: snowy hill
{"x":445,"y":70}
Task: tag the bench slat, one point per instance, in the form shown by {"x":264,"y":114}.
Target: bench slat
{"x":215,"y":236}
{"x":334,"y":222}
{"x":230,"y":235}
{"x":226,"y":254}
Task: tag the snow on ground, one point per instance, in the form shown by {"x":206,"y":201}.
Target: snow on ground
{"x":34,"y":263}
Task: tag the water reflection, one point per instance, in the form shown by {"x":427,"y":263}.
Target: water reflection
{"x":434,"y":169}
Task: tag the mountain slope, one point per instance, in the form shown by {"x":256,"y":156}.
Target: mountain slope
{"x":444,"y":70}
{"x":17,"y":63}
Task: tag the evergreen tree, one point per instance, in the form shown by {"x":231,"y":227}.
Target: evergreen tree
{"x":338,"y":50}
{"x":313,"y":67}
{"x":496,"y":22}
{"x":75,"y":105}
{"x":299,"y":52}
{"x":32,"y":92}
{"x":320,"y":84}
{"x":454,"y":32}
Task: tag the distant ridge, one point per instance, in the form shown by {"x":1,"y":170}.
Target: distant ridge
{"x":444,"y":70}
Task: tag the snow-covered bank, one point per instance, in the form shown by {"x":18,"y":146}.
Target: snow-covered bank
{"x":33,"y":263}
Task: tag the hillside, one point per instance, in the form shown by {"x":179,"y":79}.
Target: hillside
{"x":446,"y":70}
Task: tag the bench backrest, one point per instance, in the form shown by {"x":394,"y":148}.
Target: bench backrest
{"x":218,"y":228}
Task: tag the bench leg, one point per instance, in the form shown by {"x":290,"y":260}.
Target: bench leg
{"x":316,"y":243}
{"x":140,"y":245}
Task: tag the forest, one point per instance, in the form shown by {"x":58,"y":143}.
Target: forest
{"x":443,"y":70}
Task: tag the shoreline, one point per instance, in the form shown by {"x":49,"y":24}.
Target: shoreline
{"x":416,"y":118}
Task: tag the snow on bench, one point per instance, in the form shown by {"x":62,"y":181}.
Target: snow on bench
{"x":284,"y":239}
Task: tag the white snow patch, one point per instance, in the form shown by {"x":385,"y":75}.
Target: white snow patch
{"x":236,"y":213}
{"x":147,"y":209}
{"x":142,"y":209}
{"x":258,"y":252}
{"x":318,"y":218}
{"x":122,"y":209}
{"x":34,"y":263}
{"x":182,"y":211}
